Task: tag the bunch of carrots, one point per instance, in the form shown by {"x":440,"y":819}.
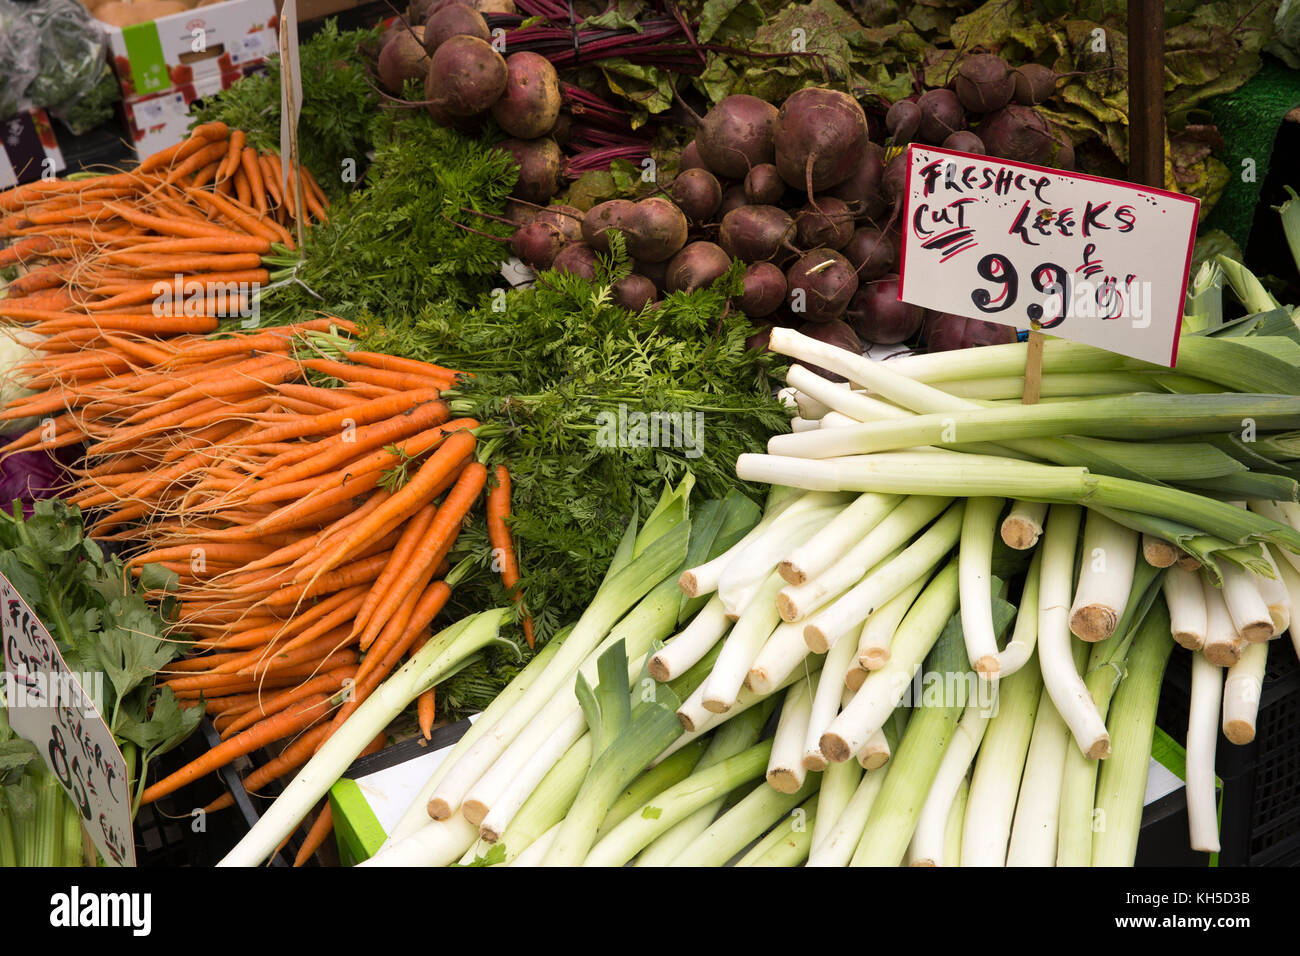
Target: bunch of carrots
{"x":304,"y":494}
{"x":210,"y":209}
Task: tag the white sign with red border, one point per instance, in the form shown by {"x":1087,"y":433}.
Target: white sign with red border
{"x":49,"y":707}
{"x":1084,"y":258}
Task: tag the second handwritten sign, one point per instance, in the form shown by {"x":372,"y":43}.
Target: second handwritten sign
{"x":1087,"y":259}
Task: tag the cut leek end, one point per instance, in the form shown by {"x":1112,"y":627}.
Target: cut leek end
{"x":814,"y":760}
{"x":1099,"y":749}
{"x":1158,"y":553}
{"x":689,"y":584}
{"x":926,"y":862}
{"x":788,"y":608}
{"x":1239,"y":731}
{"x":659,"y":670}
{"x":785,"y":780}
{"x":440,"y":808}
{"x":1020,"y":534}
{"x":834,"y":748}
{"x":716,"y":705}
{"x":1093,"y":622}
{"x":1257,"y":632}
{"x":1223,"y":653}
{"x":1189,"y":640}
{"x":857,"y":676}
{"x":791,"y":574}
{"x":474,"y":811}
{"x":1189,"y":563}
{"x":873,"y":659}
{"x":874,"y":760}
{"x":818,"y":641}
{"x":760,"y":681}
{"x":988,"y":666}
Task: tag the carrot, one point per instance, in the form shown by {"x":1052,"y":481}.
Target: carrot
{"x":248,"y":223}
{"x":403,"y":552}
{"x":391,"y":363}
{"x":235,"y":149}
{"x":259,"y":664}
{"x":213,"y":130}
{"x":372,"y":376}
{"x":349,"y":575}
{"x":503,"y":549}
{"x":253,"y":173}
{"x":25,"y":249}
{"x":433,"y":545}
{"x":426,"y":705}
{"x":273,"y":728}
{"x":167,"y":226}
{"x":242,"y":191}
{"x":203,"y":245}
{"x":365,"y":413}
{"x":292,"y":757}
{"x":316,"y":836}
{"x":302,"y":545}
{"x":325,"y":683}
{"x":197,"y":163}
{"x":406,"y":501}
{"x":271,"y":178}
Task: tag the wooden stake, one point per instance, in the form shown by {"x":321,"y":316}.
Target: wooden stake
{"x":1146,"y":92}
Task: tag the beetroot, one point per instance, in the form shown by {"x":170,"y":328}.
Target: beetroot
{"x":1033,"y":83}
{"x":1018,"y":133}
{"x":402,"y":58}
{"x":758,"y":340}
{"x":756,"y":233}
{"x":903,"y":121}
{"x":872,"y":254}
{"x":656,"y":230}
{"x":656,"y":272}
{"x":941,"y":115}
{"x":577,"y":258}
{"x":615,"y":214}
{"x":964,"y":141}
{"x":530,"y":104}
{"x":690,"y":158}
{"x":878,"y":316}
{"x":984,"y":83}
{"x":537,"y":244}
{"x":567,"y":219}
{"x":522,"y":213}
{"x":1063,"y":157}
{"x":697,"y":266}
{"x":453,"y":19}
{"x":835,"y":332}
{"x":634,"y":292}
{"x":764,"y":185}
{"x":697,"y":193}
{"x":540,"y":165}
{"x":417,"y":11}
{"x":893,"y":182}
{"x":862,"y":190}
{"x":821,"y":284}
{"x":733,"y":197}
{"x":820,"y":136}
{"x":764,"y":290}
{"x":466,"y":76}
{"x":736,"y":135}
{"x":944,"y":331}
{"x":826,"y":221}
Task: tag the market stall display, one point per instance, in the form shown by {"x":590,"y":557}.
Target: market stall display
{"x":722,"y":589}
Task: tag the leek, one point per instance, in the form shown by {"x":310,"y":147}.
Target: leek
{"x":1223,"y":645}
{"x":839,"y":783}
{"x":785,"y":769}
{"x":1202,"y":735}
{"x":1205,"y":299}
{"x":423,"y":670}
{"x":874,"y":645}
{"x":932,"y":836}
{"x":789,"y":842}
{"x":956,"y":821}
{"x":826,"y":701}
{"x":742,"y":646}
{"x":1186,"y":600}
{"x":653,"y":781}
{"x":1105,"y":578}
{"x":840,"y":843}
{"x":1023,"y":525}
{"x":1241,"y":692}
{"x":975,"y":558}
{"x":1024,"y":639}
{"x":746,"y":821}
{"x":834,"y":541}
{"x":1250,"y":292}
{"x":1121,"y":782}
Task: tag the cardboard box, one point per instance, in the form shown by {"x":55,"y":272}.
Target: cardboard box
{"x":28,"y":149}
{"x":210,"y":41}
{"x":316,"y":9}
{"x":163,"y":119}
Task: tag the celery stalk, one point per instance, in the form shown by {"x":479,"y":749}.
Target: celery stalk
{"x":8,"y":851}
{"x":49,"y":821}
{"x":71,"y":834}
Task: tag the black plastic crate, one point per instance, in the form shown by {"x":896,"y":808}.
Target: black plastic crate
{"x":1261,"y":780}
{"x":167,"y":832}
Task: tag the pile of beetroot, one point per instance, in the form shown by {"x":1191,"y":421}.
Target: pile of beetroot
{"x":802,"y":195}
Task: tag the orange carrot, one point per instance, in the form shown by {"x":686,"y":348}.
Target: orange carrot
{"x":503,"y":549}
{"x":253,"y":173}
{"x":322,"y":684}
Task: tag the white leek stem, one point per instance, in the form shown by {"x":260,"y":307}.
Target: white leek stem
{"x":785,"y":769}
{"x":826,"y":702}
{"x":956,"y":822}
{"x":883,"y":689}
{"x":1055,"y":652}
{"x":1275,"y":595}
{"x":495,"y":815}
{"x":839,"y":783}
{"x":798,"y":425}
{"x":875,"y":753}
{"x":704,"y":578}
{"x":783,"y":651}
{"x":975,"y":559}
{"x":751,"y":631}
{"x":837,"y":420}
{"x":536,"y":851}
{"x":1105,"y":577}
{"x":1158,"y":552}
{"x":1285,"y":513}
{"x":1241,"y":692}
{"x":746,"y":572}
{"x":848,"y":612}
{"x":840,"y":397}
{"x":697,"y":720}
{"x":1223,"y":645}
{"x":834,"y":541}
{"x":437,"y":843}
{"x":1246,"y":605}
{"x":878,"y":632}
{"x":695,"y":640}
{"x":808,"y":406}
{"x":1023,"y":525}
{"x":1186,"y":600}
{"x":799,"y":600}
{"x":1038,"y":807}
{"x":932,"y":825}
{"x":841,"y":842}
{"x":1202,"y":736}
{"x":1291,"y":580}
{"x":1024,"y":636}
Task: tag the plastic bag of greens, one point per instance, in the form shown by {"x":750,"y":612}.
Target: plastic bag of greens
{"x":71,"y":53}
{"x":20,"y":58}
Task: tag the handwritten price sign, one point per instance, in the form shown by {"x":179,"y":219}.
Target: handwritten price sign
{"x":1087,"y":259}
{"x":50,"y":707}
